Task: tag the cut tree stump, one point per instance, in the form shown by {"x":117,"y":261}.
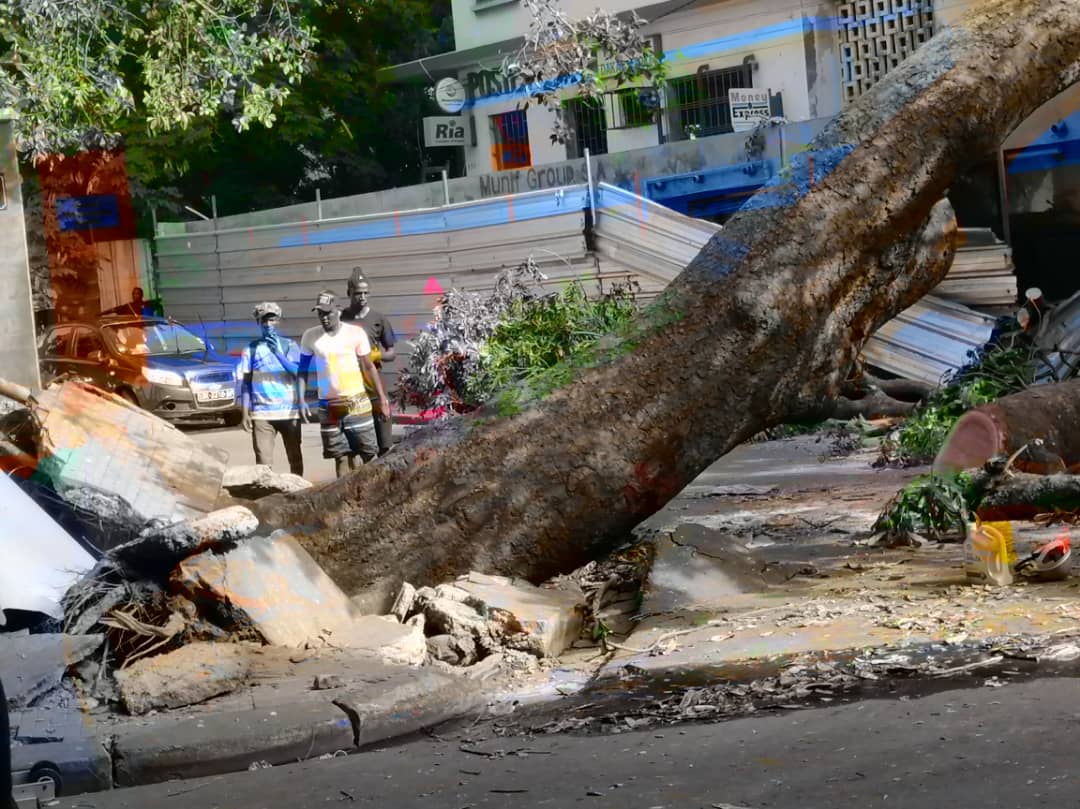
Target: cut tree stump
{"x":1046,"y":413}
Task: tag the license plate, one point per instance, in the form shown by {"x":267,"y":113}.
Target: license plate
{"x":213,"y":395}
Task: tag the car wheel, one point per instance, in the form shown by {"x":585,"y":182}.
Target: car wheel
{"x":47,"y":771}
{"x":127,"y":393}
{"x":234,"y":418}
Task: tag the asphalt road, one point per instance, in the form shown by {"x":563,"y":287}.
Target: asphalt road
{"x":238,"y":444}
{"x":983,"y":747}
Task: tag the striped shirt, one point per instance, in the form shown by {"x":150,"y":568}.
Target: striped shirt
{"x":273,"y":388}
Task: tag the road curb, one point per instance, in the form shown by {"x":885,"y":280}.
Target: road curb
{"x":344,"y":719}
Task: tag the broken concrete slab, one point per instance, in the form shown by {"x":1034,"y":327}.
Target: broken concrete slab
{"x":255,"y":482}
{"x":291,"y":601}
{"x":192,"y":674}
{"x":403,"y":604}
{"x":46,"y":567}
{"x":551,"y":619}
{"x":456,"y":650}
{"x":449,"y":591}
{"x":389,"y":641}
{"x":93,"y":439}
{"x":33,"y":665}
{"x":161,"y":550}
{"x":228,"y":741}
{"x":443,"y":616}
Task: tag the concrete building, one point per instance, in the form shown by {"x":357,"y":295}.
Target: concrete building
{"x":810,"y":56}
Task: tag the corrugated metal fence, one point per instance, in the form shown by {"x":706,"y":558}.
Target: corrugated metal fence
{"x":645,"y":239}
{"x":212,"y":281}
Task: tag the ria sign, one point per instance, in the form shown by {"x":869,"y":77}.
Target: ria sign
{"x":448,"y":130}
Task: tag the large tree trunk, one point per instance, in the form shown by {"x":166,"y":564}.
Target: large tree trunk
{"x":760,"y":328}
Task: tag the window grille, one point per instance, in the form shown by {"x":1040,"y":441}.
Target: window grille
{"x":588,"y":123}
{"x":630,"y":112}
{"x":700,"y":102}
{"x":510,"y":141}
{"x":876,"y":36}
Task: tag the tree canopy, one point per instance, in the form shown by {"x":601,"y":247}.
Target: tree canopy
{"x":74,"y":69}
{"x":255,"y":101}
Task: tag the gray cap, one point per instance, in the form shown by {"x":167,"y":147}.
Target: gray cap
{"x":266,"y":308}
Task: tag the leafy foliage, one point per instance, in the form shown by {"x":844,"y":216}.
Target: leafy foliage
{"x":342,"y":132}
{"x":558,"y":50}
{"x":478,"y":347}
{"x":73,"y":70}
{"x":998,"y":372}
{"x":932,"y":506}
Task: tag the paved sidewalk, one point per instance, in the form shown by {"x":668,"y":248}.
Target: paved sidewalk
{"x":763,"y":558}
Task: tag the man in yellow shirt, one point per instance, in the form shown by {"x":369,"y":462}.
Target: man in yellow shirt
{"x":341,"y":354}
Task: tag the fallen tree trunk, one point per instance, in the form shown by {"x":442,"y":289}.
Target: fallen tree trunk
{"x":1043,"y":421}
{"x":1021,"y":496}
{"x":767,"y":319}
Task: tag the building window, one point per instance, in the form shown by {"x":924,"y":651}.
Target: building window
{"x":876,"y":36}
{"x":632,"y":111}
{"x":510,"y":141}
{"x":587,"y":122}
{"x":699,"y":103}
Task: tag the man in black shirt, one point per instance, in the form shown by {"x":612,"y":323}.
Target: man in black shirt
{"x":381,"y":334}
{"x":138,"y":307}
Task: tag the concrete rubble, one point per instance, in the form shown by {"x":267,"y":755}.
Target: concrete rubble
{"x":256,"y":482}
{"x":231,"y":647}
{"x":94,"y":439}
{"x":158,"y":552}
{"x":478,"y":616}
{"x":103,"y":468}
{"x":275,"y":585}
{"x":187,"y":676}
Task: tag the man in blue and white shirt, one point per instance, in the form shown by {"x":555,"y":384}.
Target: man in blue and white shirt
{"x":268,"y":366}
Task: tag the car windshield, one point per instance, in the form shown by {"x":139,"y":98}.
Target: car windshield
{"x":154,"y":338}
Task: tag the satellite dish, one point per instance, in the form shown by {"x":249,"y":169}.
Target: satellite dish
{"x":450,"y":95}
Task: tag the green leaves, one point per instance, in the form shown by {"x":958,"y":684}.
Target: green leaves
{"x":74,"y":71}
{"x":933,"y":506}
{"x":514,"y":346}
{"x":999,"y":372}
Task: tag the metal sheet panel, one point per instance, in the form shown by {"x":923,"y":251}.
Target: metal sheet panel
{"x":928,"y":340}
{"x":982,"y":273}
{"x":644,"y":237}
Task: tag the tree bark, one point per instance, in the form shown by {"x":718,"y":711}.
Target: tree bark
{"x":874,"y":406}
{"x":767,"y":321}
{"x":1020,"y":496}
{"x":1049,"y":414}
{"x":906,"y":390}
